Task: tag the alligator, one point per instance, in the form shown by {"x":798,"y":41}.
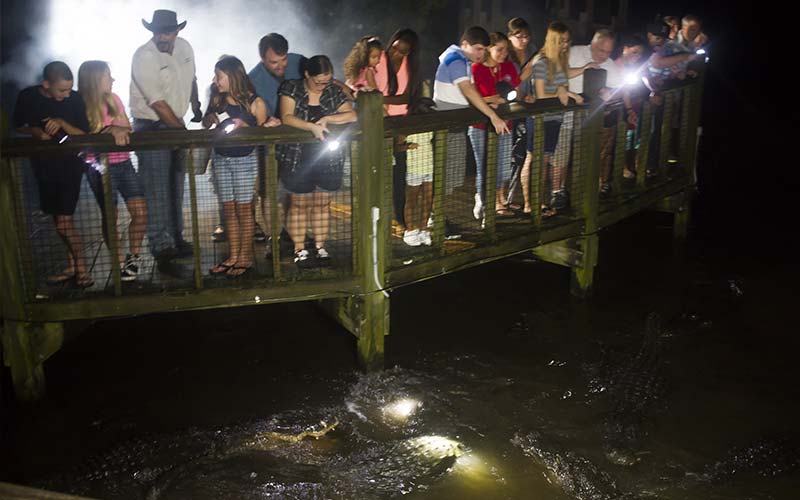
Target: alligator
{"x":635,"y":387}
{"x":286,"y":450}
{"x":768,"y":456}
{"x":577,"y":476}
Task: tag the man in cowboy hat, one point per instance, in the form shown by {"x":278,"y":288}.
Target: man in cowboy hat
{"x":163,"y":84}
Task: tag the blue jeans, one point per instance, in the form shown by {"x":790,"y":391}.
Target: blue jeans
{"x":504,"y":142}
{"x":163,"y":174}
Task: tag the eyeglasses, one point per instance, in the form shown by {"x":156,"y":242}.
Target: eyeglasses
{"x":521,"y":36}
{"x":317,"y":82}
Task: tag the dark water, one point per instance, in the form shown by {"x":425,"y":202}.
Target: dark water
{"x":700,"y":404}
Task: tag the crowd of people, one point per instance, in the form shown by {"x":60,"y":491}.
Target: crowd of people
{"x":482,"y":70}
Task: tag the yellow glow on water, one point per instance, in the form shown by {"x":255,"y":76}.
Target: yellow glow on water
{"x":437,"y":446}
{"x":402,"y":409}
{"x":476,"y":471}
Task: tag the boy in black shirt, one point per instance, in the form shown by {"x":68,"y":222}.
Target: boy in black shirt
{"x":49,"y":112}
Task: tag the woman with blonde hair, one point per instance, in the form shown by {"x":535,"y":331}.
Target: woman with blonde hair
{"x":551,"y":74}
{"x":106,"y":114}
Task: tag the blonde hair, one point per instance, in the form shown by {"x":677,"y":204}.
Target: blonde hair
{"x":89,"y":75}
{"x":358,"y":58}
{"x":556,"y":60}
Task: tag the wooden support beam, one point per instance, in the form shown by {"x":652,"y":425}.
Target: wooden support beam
{"x":12,"y":291}
{"x":568,"y":253}
{"x":372,"y":318}
{"x":582,"y":278}
{"x":25,"y":347}
{"x":16,"y":492}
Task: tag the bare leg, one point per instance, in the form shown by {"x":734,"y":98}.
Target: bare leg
{"x":412,"y":197}
{"x":525,"y":179}
{"x":321,"y":217}
{"x":427,"y":204}
{"x":297,"y":219}
{"x":234,"y":237}
{"x":65,"y":227}
{"x":246,"y":222}
{"x":558,"y":176}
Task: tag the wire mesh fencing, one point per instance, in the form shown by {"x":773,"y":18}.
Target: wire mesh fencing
{"x":139,"y":222}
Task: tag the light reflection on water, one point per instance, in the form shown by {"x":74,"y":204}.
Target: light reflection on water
{"x":483,"y":369}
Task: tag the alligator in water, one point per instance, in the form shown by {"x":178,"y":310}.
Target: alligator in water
{"x":635,"y":387}
{"x":574,"y":474}
{"x":293,"y":463}
{"x":769,"y":456}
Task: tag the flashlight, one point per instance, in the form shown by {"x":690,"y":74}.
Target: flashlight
{"x":631,"y":79}
{"x":333,"y":144}
{"x":646,"y":82}
{"x":505,"y":90}
{"x":700,"y":52}
{"x":60,"y":136}
{"x":229,"y":128}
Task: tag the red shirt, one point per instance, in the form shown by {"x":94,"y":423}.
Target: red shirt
{"x":486,"y":78}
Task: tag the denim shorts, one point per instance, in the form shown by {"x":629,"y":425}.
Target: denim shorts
{"x":124,"y":180}
{"x":235,"y":177}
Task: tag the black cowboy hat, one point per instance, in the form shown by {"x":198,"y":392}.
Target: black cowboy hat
{"x":164,"y":21}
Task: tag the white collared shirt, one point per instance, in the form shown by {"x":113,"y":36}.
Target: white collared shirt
{"x":580,"y":55}
{"x":159,"y":76}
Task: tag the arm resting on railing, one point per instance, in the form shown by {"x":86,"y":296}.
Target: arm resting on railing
{"x":474,"y":98}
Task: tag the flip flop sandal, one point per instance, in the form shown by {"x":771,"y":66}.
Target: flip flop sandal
{"x":84,"y":281}
{"x":246,"y":270}
{"x":60,"y":279}
{"x":221,"y":268}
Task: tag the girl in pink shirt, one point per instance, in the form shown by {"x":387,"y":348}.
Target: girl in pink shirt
{"x":359,"y":67}
{"x":106,"y":115}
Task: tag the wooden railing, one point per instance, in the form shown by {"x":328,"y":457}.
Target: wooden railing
{"x":357,"y":294}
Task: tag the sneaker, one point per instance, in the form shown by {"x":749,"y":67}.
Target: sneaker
{"x":425,"y":237}
{"x":259,"y":236}
{"x":451,"y":231}
{"x":605,"y":190}
{"x":430,"y":221}
{"x":184,"y":248}
{"x":130,"y":269}
{"x":303,"y":259}
{"x":219,"y":235}
{"x":323,"y":257}
{"x":477,"y":210}
{"x":560,"y":200}
{"x":411,"y":238}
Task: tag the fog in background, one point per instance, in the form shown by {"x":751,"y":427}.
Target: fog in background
{"x":35,"y":32}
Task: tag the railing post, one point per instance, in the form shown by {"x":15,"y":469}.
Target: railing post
{"x":666,"y":132}
{"x":582,"y":279}
{"x":645,"y":133}
{"x":439,"y":180}
{"x":25,"y":346}
{"x":619,"y":152}
{"x":536,"y":171}
{"x":270,"y":180}
{"x":490,"y":182}
{"x":372,"y":321}
{"x":111,"y":224}
{"x":12,"y":291}
{"x":196,"y":248}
